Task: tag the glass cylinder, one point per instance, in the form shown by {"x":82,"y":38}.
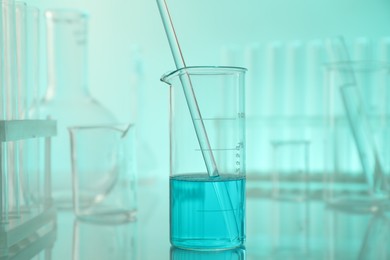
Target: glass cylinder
{"x":8,"y":66}
{"x":363,"y":88}
{"x":33,"y":34}
{"x":21,"y":57}
{"x":31,"y":168}
{"x":9,"y":106}
{"x":67,"y":99}
{"x":207,"y":211}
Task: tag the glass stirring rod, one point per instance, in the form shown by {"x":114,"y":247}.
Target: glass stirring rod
{"x":189,"y":93}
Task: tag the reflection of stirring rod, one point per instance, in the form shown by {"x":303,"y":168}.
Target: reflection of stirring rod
{"x":374,"y":243}
{"x":193,"y":106}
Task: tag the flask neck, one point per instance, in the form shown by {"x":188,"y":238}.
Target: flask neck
{"x":67,"y":53}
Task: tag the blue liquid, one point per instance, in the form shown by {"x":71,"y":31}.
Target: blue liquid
{"x":207,"y":213}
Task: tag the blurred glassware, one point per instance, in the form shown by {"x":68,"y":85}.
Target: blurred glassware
{"x":8,"y":88}
{"x":104,"y":181}
{"x":31,"y":150}
{"x":290,"y":236}
{"x":67,"y":99}
{"x":360,"y":88}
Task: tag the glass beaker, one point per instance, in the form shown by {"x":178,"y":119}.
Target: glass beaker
{"x":103,"y":170}
{"x":207,"y":212}
{"x":364,"y":89}
{"x":67,"y":98}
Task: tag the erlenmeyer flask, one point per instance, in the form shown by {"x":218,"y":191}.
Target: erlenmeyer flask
{"x":67,"y":99}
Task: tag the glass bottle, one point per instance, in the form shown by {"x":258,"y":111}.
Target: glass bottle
{"x":67,"y":98}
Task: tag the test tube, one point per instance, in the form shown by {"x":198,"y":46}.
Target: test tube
{"x":30,"y":150}
{"x":313,"y":75}
{"x":9,"y":63}
{"x":293,"y":95}
{"x":383,"y":53}
{"x":9,"y":105}
{"x":271,"y":109}
{"x":18,"y":103}
{"x":254,"y":64}
{"x":275,"y":68}
{"x":313,"y":102}
{"x":3,"y":178}
{"x":254,"y":108}
{"x":362,"y":49}
{"x":21,"y":58}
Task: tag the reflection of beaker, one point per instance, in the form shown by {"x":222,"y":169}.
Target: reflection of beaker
{"x":208,"y":212}
{"x":67,"y":99}
{"x":182,"y":254}
{"x":103,"y":170}
{"x":290,"y":225}
{"x":365,"y":91}
{"x":94,"y":241}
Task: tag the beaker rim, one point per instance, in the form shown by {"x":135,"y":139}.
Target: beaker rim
{"x":121,"y":127}
{"x":67,"y":14}
{"x":202,"y":70}
{"x":358,"y":65}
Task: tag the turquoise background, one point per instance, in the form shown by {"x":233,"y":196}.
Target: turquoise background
{"x":128,"y":50}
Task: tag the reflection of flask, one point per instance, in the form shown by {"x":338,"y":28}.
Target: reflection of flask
{"x":67,"y":98}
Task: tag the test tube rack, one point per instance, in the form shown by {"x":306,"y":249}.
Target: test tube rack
{"x":25,"y":233}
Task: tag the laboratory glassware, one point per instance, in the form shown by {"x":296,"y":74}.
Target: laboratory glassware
{"x":103,"y":173}
{"x":207,"y":212}
{"x":9,"y":104}
{"x":363,"y":87}
{"x":96,"y":241}
{"x":19,"y":221}
{"x":290,"y":178}
{"x":67,"y":98}
{"x":8,"y":66}
{"x":31,"y":150}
